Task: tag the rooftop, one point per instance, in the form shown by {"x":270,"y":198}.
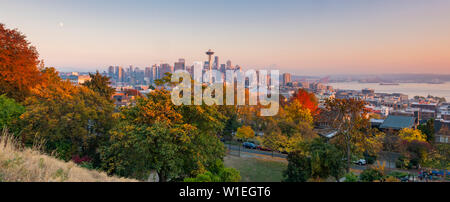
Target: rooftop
{"x":398,"y":122}
{"x":425,"y":104}
{"x":377,"y":121}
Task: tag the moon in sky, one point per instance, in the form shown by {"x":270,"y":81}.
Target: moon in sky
{"x":61,"y":24}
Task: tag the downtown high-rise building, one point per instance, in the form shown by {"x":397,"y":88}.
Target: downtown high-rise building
{"x":206,"y":65}
{"x":147,"y":72}
{"x":180,"y":65}
{"x":155,"y":73}
{"x":111,"y":72}
{"x":165,"y":68}
{"x":120,"y":74}
{"x":223,"y":68}
{"x":229,"y":66}
{"x":286,"y":78}
{"x":216,"y":63}
{"x":138,"y":76}
{"x":148,"y":75}
{"x":116,"y":73}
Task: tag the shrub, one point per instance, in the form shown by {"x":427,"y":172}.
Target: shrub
{"x":403,"y":162}
{"x":398,"y":174}
{"x":10,"y":112}
{"x":371,"y":175}
{"x":392,"y":179}
{"x":351,"y":177}
{"x":80,"y":160}
{"x":217,"y":173}
{"x":299,"y":167}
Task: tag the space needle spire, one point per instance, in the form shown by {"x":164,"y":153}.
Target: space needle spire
{"x":210,"y":53}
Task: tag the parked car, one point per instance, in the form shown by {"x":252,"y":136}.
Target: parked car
{"x":404,"y":179}
{"x":249,"y":145}
{"x":361,"y":162}
{"x":440,"y":173}
{"x":259,"y":147}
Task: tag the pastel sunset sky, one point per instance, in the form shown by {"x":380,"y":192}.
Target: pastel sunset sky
{"x":307,"y":37}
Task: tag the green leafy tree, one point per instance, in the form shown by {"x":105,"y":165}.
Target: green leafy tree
{"x":415,"y":152}
{"x":428,"y":130}
{"x":231,"y":125}
{"x":371,"y":175}
{"x":217,"y":173}
{"x":299,"y":167}
{"x":351,"y":177}
{"x":438,"y":157}
{"x":100,"y":84}
{"x":10,"y":112}
{"x":231,"y":120}
{"x":324,"y":159}
{"x":327,"y":160}
{"x":175,"y":141}
{"x":135,"y":150}
{"x":375,"y":173}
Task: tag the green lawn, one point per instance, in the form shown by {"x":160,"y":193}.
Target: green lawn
{"x":257,"y":170}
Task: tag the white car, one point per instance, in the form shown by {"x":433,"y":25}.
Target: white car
{"x":361,"y":162}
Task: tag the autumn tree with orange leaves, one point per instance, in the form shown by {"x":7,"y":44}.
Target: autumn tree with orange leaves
{"x":71,"y":120}
{"x":19,"y":71}
{"x":307,"y":100}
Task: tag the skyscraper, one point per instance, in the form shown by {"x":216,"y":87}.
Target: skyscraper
{"x":286,"y":78}
{"x":223,"y":68}
{"x":111,"y":72}
{"x":130,"y":69}
{"x":165,"y":68}
{"x":180,"y":65}
{"x":147,"y":75}
{"x":229,"y":65}
{"x":237,"y":68}
{"x":216,"y":63}
{"x":156,"y":71}
{"x":116,"y":73}
{"x":206,"y":66}
{"x":120,"y":74}
{"x":147,"y":72}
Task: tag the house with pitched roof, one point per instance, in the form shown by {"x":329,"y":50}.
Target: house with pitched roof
{"x":442,"y":131}
{"x":393,"y":123}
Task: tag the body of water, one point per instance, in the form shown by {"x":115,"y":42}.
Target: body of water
{"x":410,"y":89}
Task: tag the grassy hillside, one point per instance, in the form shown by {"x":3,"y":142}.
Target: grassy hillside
{"x":257,"y":170}
{"x":29,"y":165}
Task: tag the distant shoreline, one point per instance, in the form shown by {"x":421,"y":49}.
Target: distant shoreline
{"x":410,"y":89}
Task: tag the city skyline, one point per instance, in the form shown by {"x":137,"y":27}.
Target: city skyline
{"x":300,"y":37}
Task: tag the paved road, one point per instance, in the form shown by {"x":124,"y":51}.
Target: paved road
{"x":237,"y":148}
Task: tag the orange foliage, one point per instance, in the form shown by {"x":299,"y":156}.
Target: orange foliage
{"x":19,"y":62}
{"x":307,"y":100}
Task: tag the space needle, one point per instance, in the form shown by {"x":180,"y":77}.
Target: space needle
{"x":210,"y":53}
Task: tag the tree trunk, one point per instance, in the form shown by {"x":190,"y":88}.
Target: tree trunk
{"x":348,"y":158}
{"x":162,"y":177}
